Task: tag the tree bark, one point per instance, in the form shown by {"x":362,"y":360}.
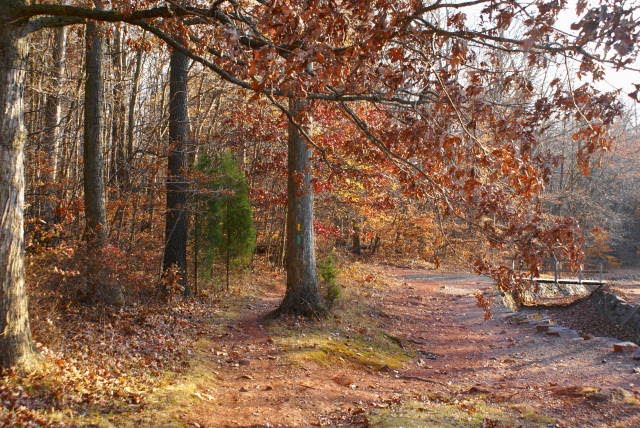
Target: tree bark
{"x":95,"y":213}
{"x":375,"y":245}
{"x":16,"y":348}
{"x":302,"y":296}
{"x":53,"y":104}
{"x":118,"y":117}
{"x":48,"y":190}
{"x":131,"y":121}
{"x":356,"y":244}
{"x":175,"y":251}
{"x":228,"y":241}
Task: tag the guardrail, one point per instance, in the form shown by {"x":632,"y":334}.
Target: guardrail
{"x":592,"y":275}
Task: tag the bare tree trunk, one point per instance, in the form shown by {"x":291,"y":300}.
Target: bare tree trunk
{"x":281,"y":255}
{"x":16,"y":348}
{"x":302,"y":295}
{"x":196,"y":252}
{"x":375,"y":245}
{"x":96,"y":230}
{"x":53,"y":104}
{"x":357,"y":245}
{"x":119,"y":169}
{"x":131,"y":122}
{"x":228,"y":241}
{"x":175,"y":251}
{"x":52,"y":128}
{"x":118,"y":119}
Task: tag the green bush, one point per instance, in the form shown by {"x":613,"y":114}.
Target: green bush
{"x":333,"y":292}
{"x":328,"y":274}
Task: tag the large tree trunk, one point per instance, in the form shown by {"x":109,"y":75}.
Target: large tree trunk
{"x":95,"y":214}
{"x":175,"y":251}
{"x":16,"y":347}
{"x":302,"y":296}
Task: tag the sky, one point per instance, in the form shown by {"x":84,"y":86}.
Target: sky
{"x":614,"y":79}
{"x":622,"y":79}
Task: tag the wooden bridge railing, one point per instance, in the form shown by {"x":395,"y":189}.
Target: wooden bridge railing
{"x":593,"y":274}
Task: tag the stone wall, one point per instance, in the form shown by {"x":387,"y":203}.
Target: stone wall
{"x":556,"y":294}
{"x":618,"y":312}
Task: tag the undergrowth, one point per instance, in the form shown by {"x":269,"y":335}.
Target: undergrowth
{"x":106,"y":365}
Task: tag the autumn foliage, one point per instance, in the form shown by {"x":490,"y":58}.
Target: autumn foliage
{"x":465,"y":134}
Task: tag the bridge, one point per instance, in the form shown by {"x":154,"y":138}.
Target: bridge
{"x":589,"y":273}
{"x":559,"y":286}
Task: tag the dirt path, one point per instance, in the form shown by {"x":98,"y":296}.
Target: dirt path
{"x":441,"y":365}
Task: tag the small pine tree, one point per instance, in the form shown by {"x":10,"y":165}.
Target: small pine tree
{"x":329,"y":274}
{"x":225,"y":224}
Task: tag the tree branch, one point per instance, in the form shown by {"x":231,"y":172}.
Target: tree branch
{"x":53,"y":22}
{"x":390,"y":154}
{"x":33,"y":10}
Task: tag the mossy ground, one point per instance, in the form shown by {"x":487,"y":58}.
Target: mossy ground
{"x":453,"y":413}
{"x":350,"y":335}
{"x":338,"y":346}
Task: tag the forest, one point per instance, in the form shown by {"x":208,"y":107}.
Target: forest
{"x":254,"y":213}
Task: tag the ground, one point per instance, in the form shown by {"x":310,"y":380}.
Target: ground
{"x":626,"y":283}
{"x":402,"y":348}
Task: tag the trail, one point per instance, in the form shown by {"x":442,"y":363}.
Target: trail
{"x":457,"y":359}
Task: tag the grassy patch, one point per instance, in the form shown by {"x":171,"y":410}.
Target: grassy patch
{"x":351,"y":335}
{"x":330,"y":347}
{"x":530,"y":415}
{"x":456,"y":413}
